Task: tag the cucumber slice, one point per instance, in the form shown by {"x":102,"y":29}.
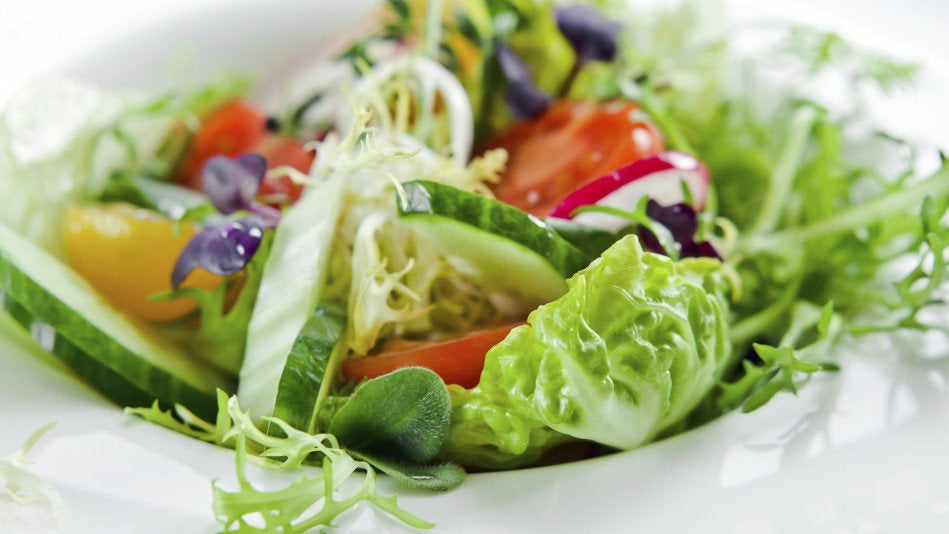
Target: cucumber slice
{"x":496,"y":245}
{"x":290,"y":289}
{"x":301,"y":382}
{"x":77,"y":325}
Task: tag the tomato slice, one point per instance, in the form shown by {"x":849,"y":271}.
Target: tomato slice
{"x":230,"y":130}
{"x":457,"y":361}
{"x":282,"y":150}
{"x":236,"y":128}
{"x":569,"y":145}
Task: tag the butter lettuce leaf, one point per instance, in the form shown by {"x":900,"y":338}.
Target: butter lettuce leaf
{"x":632,"y":347}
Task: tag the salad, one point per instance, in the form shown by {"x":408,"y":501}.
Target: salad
{"x":485,"y":236}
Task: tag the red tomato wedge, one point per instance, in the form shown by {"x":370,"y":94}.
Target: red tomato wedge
{"x":279,"y":151}
{"x":567,"y":146}
{"x":235,"y":128}
{"x":457,"y":361}
{"x":230,"y":130}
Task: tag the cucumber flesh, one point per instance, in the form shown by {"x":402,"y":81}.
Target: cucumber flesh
{"x":498,"y":246}
{"x":290,"y":289}
{"x":78,"y":326}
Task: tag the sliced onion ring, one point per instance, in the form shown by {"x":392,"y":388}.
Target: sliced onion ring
{"x":659,"y":177}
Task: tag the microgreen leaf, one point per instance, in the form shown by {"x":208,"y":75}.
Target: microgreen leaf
{"x":220,"y":248}
{"x":428,"y":477}
{"x":522,"y":96}
{"x":592,"y":35}
{"x":401,"y":415}
{"x":231,"y":183}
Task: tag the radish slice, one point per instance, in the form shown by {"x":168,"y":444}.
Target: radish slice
{"x":658,"y":177}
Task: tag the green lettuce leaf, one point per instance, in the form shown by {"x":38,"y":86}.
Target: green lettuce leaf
{"x":630,"y":350}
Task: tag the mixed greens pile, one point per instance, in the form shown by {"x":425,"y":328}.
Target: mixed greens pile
{"x":393,"y":239}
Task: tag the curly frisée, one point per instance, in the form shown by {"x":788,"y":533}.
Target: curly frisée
{"x":486,"y":236}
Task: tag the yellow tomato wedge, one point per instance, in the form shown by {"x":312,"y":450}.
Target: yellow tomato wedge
{"x":128,"y":253}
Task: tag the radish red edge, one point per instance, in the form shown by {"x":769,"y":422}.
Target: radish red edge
{"x":658,"y":177}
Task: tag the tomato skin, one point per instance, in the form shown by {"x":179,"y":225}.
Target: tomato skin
{"x":569,"y":145}
{"x":230,"y":130}
{"x":128,"y":254}
{"x":236,"y":128}
{"x":279,"y":151}
{"x":457,"y":361}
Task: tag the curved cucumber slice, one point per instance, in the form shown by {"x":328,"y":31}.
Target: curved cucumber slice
{"x":496,"y":245}
{"x":289,"y":292}
{"x":301,"y":382}
{"x":76,"y":324}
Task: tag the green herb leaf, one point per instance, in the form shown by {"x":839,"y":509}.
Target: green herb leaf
{"x":401,"y":415}
{"x":428,"y":477}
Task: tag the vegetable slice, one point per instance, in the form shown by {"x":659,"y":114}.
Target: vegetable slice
{"x":289,"y":291}
{"x":658,"y":177}
{"x":306,"y":365}
{"x":77,"y":325}
{"x":457,"y":361}
{"x":495,"y":244}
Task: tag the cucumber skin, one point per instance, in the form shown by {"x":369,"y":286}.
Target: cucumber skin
{"x":306,"y":366}
{"x":114,"y":386}
{"x":94,"y":355}
{"x":425,"y":198}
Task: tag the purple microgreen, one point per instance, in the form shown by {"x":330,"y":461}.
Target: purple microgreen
{"x":522,"y":96}
{"x":232,"y":183}
{"x":681,"y":221}
{"x":222,"y":249}
{"x":592,"y":36}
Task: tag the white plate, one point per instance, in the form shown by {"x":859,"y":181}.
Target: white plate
{"x":860,"y":451}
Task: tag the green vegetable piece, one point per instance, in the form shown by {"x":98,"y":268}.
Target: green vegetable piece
{"x":305,"y":368}
{"x":629,"y":351}
{"x":401,"y":415}
{"x":70,"y":319}
{"x":498,"y":246}
{"x":426,"y":477}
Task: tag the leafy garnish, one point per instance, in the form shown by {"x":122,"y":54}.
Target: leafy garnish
{"x":21,"y":484}
{"x":395,"y":423}
{"x":248,"y":509}
{"x":402,"y":415}
{"x":786,"y":366}
{"x":829,"y":50}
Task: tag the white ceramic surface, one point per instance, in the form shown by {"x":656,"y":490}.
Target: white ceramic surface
{"x":860,"y":451}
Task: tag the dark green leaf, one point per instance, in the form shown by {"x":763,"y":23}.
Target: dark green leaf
{"x":428,"y":477}
{"x":401,"y":415}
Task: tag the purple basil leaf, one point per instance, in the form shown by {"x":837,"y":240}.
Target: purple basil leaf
{"x":592,"y":36}
{"x":679,"y":218}
{"x":232,"y":183}
{"x":522,"y":96}
{"x":221,"y":248}
{"x":682,"y":222}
